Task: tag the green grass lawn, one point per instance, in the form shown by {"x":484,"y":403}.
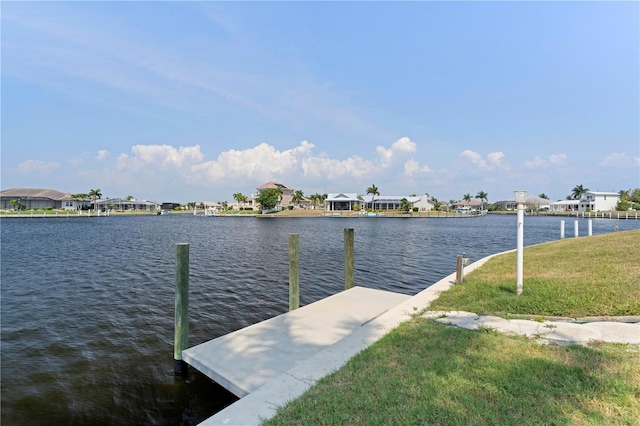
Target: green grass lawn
{"x":578,"y":277}
{"x":424,"y":372}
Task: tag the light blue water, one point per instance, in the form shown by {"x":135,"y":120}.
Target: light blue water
{"x":87,"y":303}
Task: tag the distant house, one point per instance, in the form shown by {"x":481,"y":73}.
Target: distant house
{"x":422,"y":202}
{"x":463,"y":206}
{"x":598,"y":201}
{"x":124,"y":204}
{"x":287,"y":194}
{"x":533,"y":202}
{"x":343,"y":201}
{"x":392,"y":202}
{"x":564,"y":206}
{"x":38,"y":198}
{"x":169,"y":206}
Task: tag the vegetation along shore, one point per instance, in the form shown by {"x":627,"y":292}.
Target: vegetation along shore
{"x":425,"y":372}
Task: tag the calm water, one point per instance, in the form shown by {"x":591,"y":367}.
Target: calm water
{"x":87,"y":304}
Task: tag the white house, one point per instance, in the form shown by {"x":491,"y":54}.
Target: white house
{"x":598,"y":201}
{"x":533,"y":202}
{"x":565,"y":206}
{"x":422,"y":202}
{"x":342,"y":201}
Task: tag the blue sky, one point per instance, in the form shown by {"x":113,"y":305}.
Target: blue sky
{"x":195,"y":101}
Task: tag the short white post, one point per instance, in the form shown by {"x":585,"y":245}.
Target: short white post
{"x":590,"y":227}
{"x":562,"y":229}
{"x":575,"y":229}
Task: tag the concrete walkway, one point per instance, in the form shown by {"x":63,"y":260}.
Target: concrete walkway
{"x":247,"y":359}
{"x":568,"y":332}
{"x":263,"y":402}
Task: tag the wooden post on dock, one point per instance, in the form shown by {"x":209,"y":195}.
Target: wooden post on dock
{"x":348,"y":258}
{"x":459,"y":269}
{"x":182,"y":308}
{"x":294,"y":273}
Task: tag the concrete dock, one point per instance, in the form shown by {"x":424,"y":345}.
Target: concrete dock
{"x":354,"y":333}
{"x":247,"y":359}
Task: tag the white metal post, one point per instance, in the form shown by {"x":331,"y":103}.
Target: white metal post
{"x":520,"y":246}
{"x":521,"y":197}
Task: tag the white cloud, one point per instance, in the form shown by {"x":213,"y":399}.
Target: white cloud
{"x":412,"y":168}
{"x":494,"y":160}
{"x":474,"y":158}
{"x":164,"y":157}
{"x":262,"y":162}
{"x":102,"y":155}
{"x":554,"y":160}
{"x":402,"y":146}
{"x":620,"y":160}
{"x":252,"y":166}
{"x":37,"y":166}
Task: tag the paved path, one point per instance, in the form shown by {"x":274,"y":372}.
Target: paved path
{"x":560,"y":332}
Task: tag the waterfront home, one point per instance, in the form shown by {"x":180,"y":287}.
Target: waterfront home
{"x":127,"y":204}
{"x":564,"y":206}
{"x":343,"y":201}
{"x":392,"y":202}
{"x":533,"y":202}
{"x":285,"y":200}
{"x":598,"y":201}
{"x":464,"y":206}
{"x":40,"y":199}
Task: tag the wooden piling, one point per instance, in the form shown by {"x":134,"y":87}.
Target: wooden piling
{"x":182,"y":308}
{"x":459,"y":269}
{"x":294,"y":273}
{"x":348,"y":258}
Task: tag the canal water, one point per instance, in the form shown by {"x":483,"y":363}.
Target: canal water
{"x":87,"y":304}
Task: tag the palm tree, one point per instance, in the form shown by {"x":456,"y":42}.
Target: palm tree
{"x":467,"y":198}
{"x":577,"y":191}
{"x":79,"y":197}
{"x":95,"y":195}
{"x":279,"y":191}
{"x":373,"y":190}
{"x":315,"y":199}
{"x":297,"y":197}
{"x":482,"y":196}
{"x":437,"y":204}
{"x":238,"y":197}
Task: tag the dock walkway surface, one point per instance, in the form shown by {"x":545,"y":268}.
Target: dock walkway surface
{"x":271,"y":363}
{"x":247,"y":359}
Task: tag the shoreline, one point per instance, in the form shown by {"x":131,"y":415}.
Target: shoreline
{"x":300,"y":213}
